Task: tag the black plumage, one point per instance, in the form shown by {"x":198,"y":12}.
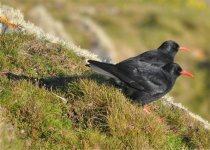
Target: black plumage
{"x":142,"y":81}
{"x":158,"y":57}
{"x":146,"y":77}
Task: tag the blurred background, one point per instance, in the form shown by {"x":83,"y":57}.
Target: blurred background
{"x":118,"y":29}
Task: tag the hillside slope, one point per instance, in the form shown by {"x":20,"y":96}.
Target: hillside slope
{"x":133,"y":28}
{"x":54,"y":102}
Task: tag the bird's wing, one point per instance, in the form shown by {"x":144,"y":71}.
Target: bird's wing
{"x":112,"y":71}
{"x":139,"y":75}
{"x":154,"y":57}
{"x":151,"y":56}
{"x":159,"y":82}
{"x":145,"y":75}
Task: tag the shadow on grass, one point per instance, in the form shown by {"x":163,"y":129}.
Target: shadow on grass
{"x":60,"y":82}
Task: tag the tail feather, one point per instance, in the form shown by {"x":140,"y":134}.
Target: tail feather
{"x":102,"y":68}
{"x":112,"y":71}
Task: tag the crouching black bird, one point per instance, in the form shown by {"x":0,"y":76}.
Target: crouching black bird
{"x":144,"y":82}
{"x":160,"y":56}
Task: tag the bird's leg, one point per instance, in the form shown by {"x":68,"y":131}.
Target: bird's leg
{"x":147,"y":109}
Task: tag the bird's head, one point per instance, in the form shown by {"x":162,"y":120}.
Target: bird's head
{"x":171,"y":48}
{"x":175,"y":70}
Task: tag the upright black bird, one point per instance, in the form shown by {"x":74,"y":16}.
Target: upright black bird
{"x":144,"y":82}
{"x":160,"y":56}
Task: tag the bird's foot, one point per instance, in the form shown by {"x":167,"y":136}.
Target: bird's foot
{"x":147,"y":109}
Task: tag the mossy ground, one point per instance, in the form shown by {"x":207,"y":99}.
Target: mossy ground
{"x":139,"y":25}
{"x":97,"y":114}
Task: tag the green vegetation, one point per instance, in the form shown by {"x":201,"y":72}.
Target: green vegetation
{"x":97,"y":114}
{"x":8,"y":139}
{"x":143,"y":24}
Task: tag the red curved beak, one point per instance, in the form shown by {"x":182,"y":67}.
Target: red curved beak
{"x":184,"y":49}
{"x":186,"y":73}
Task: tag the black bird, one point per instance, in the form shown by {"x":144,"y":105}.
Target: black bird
{"x":144,"y":82}
{"x":160,"y":56}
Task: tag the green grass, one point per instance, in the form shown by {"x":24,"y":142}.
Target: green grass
{"x":97,"y":114}
{"x":139,"y":25}
{"x":8,"y":139}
